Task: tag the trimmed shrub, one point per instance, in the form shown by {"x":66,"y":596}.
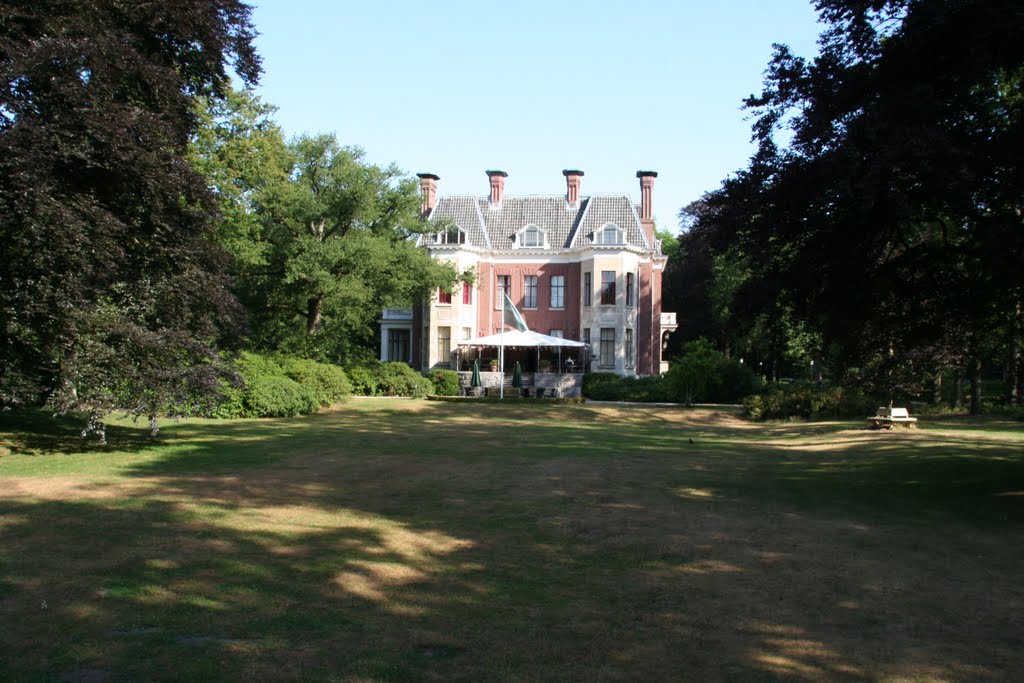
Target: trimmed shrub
{"x":603,"y":386}
{"x":374,"y":378}
{"x":279,"y":387}
{"x":279,"y":396}
{"x":364,"y":378}
{"x":329,"y":383}
{"x":607,"y":386}
{"x":446,"y":382}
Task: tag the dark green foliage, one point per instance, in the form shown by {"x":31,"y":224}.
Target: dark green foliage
{"x":707,"y":375}
{"x":881,"y":211}
{"x":278,"y":396}
{"x":607,"y":386}
{"x":329,"y":382}
{"x":602,"y":386}
{"x":373,"y":378}
{"x":446,"y":382}
{"x":112,"y":293}
{"x":280,"y":387}
{"x":804,"y":400}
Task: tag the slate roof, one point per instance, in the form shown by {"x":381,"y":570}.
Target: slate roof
{"x":566,"y":228}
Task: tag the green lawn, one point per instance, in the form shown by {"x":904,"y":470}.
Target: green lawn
{"x":414,"y":540}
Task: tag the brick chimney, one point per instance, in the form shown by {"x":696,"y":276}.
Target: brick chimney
{"x":572,"y":187}
{"x":428,"y":192}
{"x":497,"y":187}
{"x":646,"y":203}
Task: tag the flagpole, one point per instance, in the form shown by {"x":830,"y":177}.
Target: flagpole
{"x":501,"y":349}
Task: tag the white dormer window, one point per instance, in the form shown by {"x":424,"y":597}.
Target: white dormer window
{"x":453,"y":235}
{"x":531,"y":237}
{"x":610,"y":234}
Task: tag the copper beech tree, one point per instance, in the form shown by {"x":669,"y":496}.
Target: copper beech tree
{"x":112,"y":290}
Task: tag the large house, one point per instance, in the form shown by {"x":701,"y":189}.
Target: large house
{"x":586,"y":268}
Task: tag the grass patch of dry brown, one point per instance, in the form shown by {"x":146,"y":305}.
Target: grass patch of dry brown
{"x":408,"y":540}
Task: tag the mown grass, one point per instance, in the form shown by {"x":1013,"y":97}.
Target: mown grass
{"x":412,"y":540}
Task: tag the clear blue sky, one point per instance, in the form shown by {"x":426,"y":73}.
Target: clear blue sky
{"x":455,"y":88}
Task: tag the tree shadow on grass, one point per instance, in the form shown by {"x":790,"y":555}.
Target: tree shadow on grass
{"x":387,"y":545}
{"x":37,"y":432}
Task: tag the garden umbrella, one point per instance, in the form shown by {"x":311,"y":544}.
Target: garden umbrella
{"x":474,"y":380}
{"x":517,"y":376}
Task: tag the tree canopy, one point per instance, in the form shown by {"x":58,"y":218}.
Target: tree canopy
{"x":883,"y":207}
{"x":112,"y":288}
{"x":322,"y":238}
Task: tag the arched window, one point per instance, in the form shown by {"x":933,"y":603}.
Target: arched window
{"x":531,"y":237}
{"x":610,"y":234}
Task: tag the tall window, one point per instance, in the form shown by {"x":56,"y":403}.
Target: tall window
{"x":557,"y":333}
{"x":629,"y":348}
{"x":607,"y":347}
{"x":588,"y":288}
{"x":557,"y":291}
{"x":398,"y":346}
{"x":467,"y":293}
{"x":503,"y":286}
{"x":607,"y":287}
{"x":443,"y":297}
{"x":629,"y":289}
{"x":444,"y":344}
{"x":530,"y":291}
{"x":467,"y":333}
{"x":586,"y":335}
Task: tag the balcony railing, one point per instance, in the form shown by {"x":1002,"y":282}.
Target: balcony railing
{"x":397,"y":314}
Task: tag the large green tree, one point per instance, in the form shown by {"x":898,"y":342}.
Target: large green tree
{"x":322,"y":239}
{"x":112,"y":290}
{"x":884,"y":204}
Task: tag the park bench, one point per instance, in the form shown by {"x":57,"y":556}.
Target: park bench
{"x":885,"y":418}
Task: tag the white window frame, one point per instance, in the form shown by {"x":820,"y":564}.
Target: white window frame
{"x":560,"y":304}
{"x":539,"y":241}
{"x":531,"y":288}
{"x":610,"y":235}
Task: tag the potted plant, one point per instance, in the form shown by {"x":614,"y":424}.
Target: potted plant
{"x":545,"y":366}
{"x":494,"y":365}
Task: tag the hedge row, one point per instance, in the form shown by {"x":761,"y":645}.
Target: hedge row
{"x":281,"y":387}
{"x":783,"y":401}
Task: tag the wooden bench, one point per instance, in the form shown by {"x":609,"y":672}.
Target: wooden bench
{"x":885,"y":418}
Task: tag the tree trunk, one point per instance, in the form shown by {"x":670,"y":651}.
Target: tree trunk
{"x":1013,"y":361}
{"x":958,"y":391}
{"x":937,"y":389}
{"x":315,"y":311}
{"x":975,"y":387}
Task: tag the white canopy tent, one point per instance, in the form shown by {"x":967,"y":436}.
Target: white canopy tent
{"x":518,"y":339}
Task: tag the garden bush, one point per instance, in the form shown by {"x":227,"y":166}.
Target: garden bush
{"x":804,"y":400}
{"x":446,"y":382}
{"x":603,"y":386}
{"x":374,"y":378}
{"x":329,"y":383}
{"x":704,"y":374}
{"x":279,"y":386}
{"x":607,"y":386}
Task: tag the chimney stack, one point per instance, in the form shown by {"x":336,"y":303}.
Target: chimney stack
{"x":497,"y":186}
{"x":572,"y":187}
{"x":428,"y":192}
{"x":646,"y":205}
